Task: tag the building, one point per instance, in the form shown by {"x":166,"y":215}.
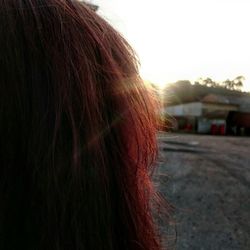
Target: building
{"x":210,"y":113}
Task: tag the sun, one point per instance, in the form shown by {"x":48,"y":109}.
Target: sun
{"x":160,"y":86}
{"x":157,"y":81}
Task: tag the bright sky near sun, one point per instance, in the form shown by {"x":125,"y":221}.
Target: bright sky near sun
{"x":185,"y":39}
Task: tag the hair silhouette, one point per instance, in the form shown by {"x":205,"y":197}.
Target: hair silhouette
{"x":77,"y":132}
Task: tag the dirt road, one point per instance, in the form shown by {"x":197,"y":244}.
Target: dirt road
{"x":208,"y":181}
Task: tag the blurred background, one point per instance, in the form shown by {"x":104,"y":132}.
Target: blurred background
{"x":196,"y":56}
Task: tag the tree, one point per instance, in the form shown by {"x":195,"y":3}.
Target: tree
{"x":235,"y":84}
{"x":206,"y":82}
{"x":238,"y":82}
{"x":228,"y":84}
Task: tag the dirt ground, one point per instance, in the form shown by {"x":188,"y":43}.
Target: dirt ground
{"x":207,"y":179}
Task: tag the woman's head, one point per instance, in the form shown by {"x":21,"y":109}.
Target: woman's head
{"x":77,"y":132}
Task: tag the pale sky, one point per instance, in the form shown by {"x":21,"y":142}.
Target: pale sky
{"x":185,"y":39}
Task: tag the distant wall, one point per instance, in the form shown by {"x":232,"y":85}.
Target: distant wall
{"x":187,"y":109}
{"x":199,"y":109}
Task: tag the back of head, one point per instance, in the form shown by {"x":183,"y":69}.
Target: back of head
{"x":77,"y":132}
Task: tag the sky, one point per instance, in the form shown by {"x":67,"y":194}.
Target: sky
{"x":185,"y":39}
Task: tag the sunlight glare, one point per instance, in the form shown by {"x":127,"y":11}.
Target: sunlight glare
{"x":185,"y":40}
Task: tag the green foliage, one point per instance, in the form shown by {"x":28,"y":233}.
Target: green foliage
{"x":235,"y":84}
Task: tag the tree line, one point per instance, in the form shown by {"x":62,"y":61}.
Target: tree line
{"x":235,"y":84}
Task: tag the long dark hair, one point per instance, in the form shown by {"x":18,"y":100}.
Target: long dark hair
{"x":77,"y":132}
